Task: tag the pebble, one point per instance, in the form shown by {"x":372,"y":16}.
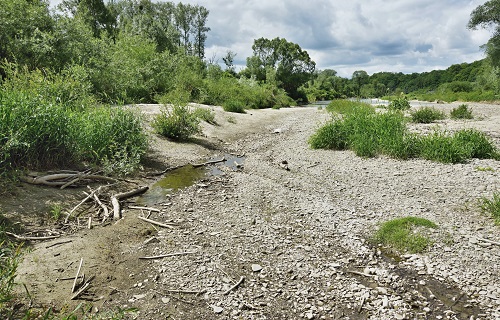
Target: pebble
{"x":256,"y":267}
{"x":217,"y":309}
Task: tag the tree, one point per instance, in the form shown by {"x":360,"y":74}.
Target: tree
{"x":200,"y":31}
{"x":293,"y":66}
{"x":359,"y":78}
{"x":94,"y":13}
{"x":485,"y":16}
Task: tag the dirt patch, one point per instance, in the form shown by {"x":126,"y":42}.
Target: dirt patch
{"x":299,"y":238}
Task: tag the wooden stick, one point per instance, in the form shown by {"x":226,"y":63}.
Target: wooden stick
{"x":235,"y":286}
{"x":58,"y":243}
{"x":196,"y":165}
{"x":78,"y":177}
{"x":89,"y":225}
{"x":76,"y":277}
{"x":144,"y":208}
{"x":106,"y":211}
{"x":166,"y":255}
{"x":31,"y":238}
{"x":165,"y":225}
{"x":187,"y":291}
{"x":361,"y":305}
{"x":360,"y":273}
{"x":82,"y":290}
{"x":82,"y":202}
{"x":115,"y":199}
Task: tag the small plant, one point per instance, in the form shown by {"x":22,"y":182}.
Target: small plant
{"x":478,"y":168}
{"x":177,"y":123}
{"x":205,"y":114}
{"x":9,"y":256}
{"x":491,"y":206}
{"x":402,"y":234}
{"x":427,"y":115}
{"x":231,"y":119}
{"x":400,"y":104}
{"x":461,"y":112}
{"x":56,"y":210}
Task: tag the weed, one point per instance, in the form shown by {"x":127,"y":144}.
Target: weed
{"x":478,"y":168}
{"x":461,"y":112}
{"x":400,"y":104}
{"x":56,"y":210}
{"x":177,"y":123}
{"x":491,"y":206}
{"x":442,"y":147}
{"x":401,"y":234}
{"x":231,"y":119}
{"x":427,"y":115}
{"x":477,"y":144}
{"x":205,"y":114}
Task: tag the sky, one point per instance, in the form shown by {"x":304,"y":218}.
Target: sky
{"x":347,"y":35}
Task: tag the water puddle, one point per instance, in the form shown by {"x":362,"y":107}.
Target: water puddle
{"x":186,"y":176}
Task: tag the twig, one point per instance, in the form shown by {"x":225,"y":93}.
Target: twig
{"x":361,"y":305}
{"x":156,"y":222}
{"x":82,"y":290}
{"x":360,"y":273}
{"x":90,"y":223}
{"x":30,"y":238}
{"x":144,"y":208}
{"x":105,"y":208}
{"x":76,"y":277}
{"x":489,"y":241}
{"x":187,"y":291}
{"x":166,"y":255}
{"x":58,"y":243}
{"x":196,"y":165}
{"x":81,"y":202}
{"x":235,"y":286}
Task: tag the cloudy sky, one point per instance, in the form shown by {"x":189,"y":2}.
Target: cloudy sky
{"x":348,"y":35}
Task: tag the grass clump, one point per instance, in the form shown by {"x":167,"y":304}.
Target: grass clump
{"x":427,"y":115}
{"x":177,"y":123}
{"x":491,"y":206}
{"x":205,"y":114}
{"x":461,"y":112}
{"x":400,"y":104}
{"x":402,"y":234}
{"x":346,"y":106}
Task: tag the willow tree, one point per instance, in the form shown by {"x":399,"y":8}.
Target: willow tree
{"x":487,"y":15}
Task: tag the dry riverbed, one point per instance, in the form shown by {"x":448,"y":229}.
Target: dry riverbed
{"x":283,"y":234}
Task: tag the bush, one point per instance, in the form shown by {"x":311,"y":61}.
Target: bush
{"x":400,"y":234}
{"x":491,"y":206}
{"x":177,"y":123}
{"x":461,"y":112}
{"x":427,"y":115}
{"x":477,"y":144}
{"x":205,"y":114}
{"x":400,"y":104}
{"x":234,"y":105}
{"x":443,"y":147}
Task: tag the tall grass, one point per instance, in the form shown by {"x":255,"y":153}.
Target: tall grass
{"x":44,"y":125}
{"x":461,"y":112}
{"x":427,"y":115}
{"x":368,"y":134}
{"x":491,"y":206}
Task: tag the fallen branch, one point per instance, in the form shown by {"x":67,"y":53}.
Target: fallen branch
{"x":166,"y":255}
{"x":156,"y":222}
{"x":54,"y":180}
{"x":360,"y":273}
{"x":144,"y":208}
{"x":30,"y":238}
{"x":187,"y":291}
{"x":235,"y":286}
{"x":58,"y":243}
{"x":196,"y":165}
{"x":73,"y":181}
{"x":115,"y":199}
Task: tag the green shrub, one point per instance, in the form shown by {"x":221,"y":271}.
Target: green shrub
{"x":461,"y":112}
{"x":342,"y":106}
{"x":477,"y":144}
{"x":400,"y":104}
{"x":491,"y":206}
{"x":427,"y":115}
{"x":234,"y":105}
{"x":402,"y":234}
{"x":443,"y":147}
{"x":177,"y":123}
{"x":205,"y":114}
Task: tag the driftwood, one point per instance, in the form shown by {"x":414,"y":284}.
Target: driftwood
{"x":115,"y":200}
{"x":196,"y":165}
{"x":30,"y":238}
{"x":488,"y":241}
{"x":164,"y":225}
{"x":60,"y":179}
{"x":144,"y":208}
{"x":166,"y":255}
{"x":91,"y":195}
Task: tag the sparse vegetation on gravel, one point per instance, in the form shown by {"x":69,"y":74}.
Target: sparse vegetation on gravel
{"x":461,"y":112}
{"x":427,"y":115}
{"x":491,"y":206}
{"x":402,"y":234}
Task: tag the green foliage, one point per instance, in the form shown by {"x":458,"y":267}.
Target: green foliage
{"x":9,"y":256}
{"x":234,"y":105}
{"x":427,"y":115}
{"x":177,"y":122}
{"x":403,"y":234}
{"x":368,"y":134}
{"x":56,"y":210}
{"x":400,"y":104}
{"x":343,"y":106}
{"x":486,"y":16}
{"x":491,"y":206}
{"x":461,"y":112}
{"x":205,"y":114}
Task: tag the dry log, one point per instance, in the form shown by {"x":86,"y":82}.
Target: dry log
{"x":30,"y":238}
{"x":164,"y":225}
{"x":166,"y":255}
{"x":115,"y":199}
{"x":196,"y":165}
{"x":54,"y":179}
